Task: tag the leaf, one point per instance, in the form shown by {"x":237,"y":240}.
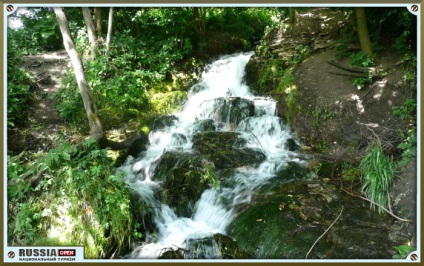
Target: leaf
{"x":404,"y":250}
{"x":66,"y":156}
{"x":259,"y":220}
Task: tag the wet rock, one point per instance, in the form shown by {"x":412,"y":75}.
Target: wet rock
{"x":164,"y":121}
{"x":182,"y":178}
{"x":229,"y":248}
{"x":204,"y":125}
{"x":171,"y":254}
{"x":201,"y":246}
{"x":209,"y":246}
{"x":232,"y":110}
{"x":219,"y":149}
{"x":179,"y":139}
{"x":291,"y":145}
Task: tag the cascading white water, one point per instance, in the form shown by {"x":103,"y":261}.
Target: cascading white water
{"x":262,"y":130}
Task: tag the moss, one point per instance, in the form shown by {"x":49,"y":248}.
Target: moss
{"x":168,"y":102}
{"x":270,"y":233}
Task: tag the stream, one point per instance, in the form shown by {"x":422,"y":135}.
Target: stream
{"x":222,"y":103}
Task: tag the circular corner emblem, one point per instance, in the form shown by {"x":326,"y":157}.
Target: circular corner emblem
{"x":414,"y":257}
{"x":11,"y":254}
{"x":9,"y":8}
{"x":414,"y":8}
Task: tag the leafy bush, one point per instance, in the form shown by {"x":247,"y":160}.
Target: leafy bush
{"x":378,"y":172}
{"x":407,"y":111}
{"x":18,"y":82}
{"x":77,"y":200}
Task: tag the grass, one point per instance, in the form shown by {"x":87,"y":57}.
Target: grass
{"x":378,"y":172}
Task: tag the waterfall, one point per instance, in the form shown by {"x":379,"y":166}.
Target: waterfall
{"x":221,"y":96}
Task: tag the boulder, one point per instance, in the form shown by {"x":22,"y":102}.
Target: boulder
{"x":219,"y":148}
{"x":285,"y":222}
{"x":183,"y":179}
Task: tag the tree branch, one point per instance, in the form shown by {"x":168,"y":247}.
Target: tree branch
{"x":389,"y":212}
{"x":348,"y":68}
{"x":341,"y":211}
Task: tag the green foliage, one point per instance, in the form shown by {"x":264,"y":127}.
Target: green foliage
{"x":242,"y":22}
{"x":40,"y":31}
{"x":363,"y":60}
{"x":18,"y":82}
{"x":207,"y":175}
{"x":70,"y":104}
{"x":407,"y":111}
{"x":350,"y":173}
{"x":378,"y":172}
{"x":78,"y":200}
{"x":403,"y":251}
{"x":270,"y":74}
{"x":168,"y":102}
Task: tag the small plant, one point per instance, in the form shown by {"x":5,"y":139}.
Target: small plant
{"x":207,"y":174}
{"x":406,"y":110}
{"x":404,"y":251}
{"x":378,"y":172}
{"x":361,"y":59}
{"x":350,"y":173}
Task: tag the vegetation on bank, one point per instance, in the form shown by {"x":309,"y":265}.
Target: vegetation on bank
{"x":389,"y":29}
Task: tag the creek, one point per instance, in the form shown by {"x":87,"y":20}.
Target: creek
{"x":224,"y":127}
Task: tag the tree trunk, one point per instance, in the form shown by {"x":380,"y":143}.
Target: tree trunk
{"x":364,"y":37}
{"x":90,"y":30}
{"x":199,"y":22}
{"x":98,"y":17}
{"x":96,"y":130}
{"x":109,"y":29}
{"x":292,"y":15}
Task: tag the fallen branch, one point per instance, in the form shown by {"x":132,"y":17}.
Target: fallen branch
{"x":348,"y":68}
{"x":35,"y":178}
{"x":256,"y":138}
{"x":355,"y":74}
{"x":42,"y":79}
{"x":386,"y":210}
{"x":341,"y":211}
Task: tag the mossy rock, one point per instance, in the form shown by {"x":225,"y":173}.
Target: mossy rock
{"x":270,"y":232}
{"x":219,"y":148}
{"x":285,"y":222}
{"x":210,"y":246}
{"x":164,"y":121}
{"x":182,"y":177}
{"x":229,"y":248}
